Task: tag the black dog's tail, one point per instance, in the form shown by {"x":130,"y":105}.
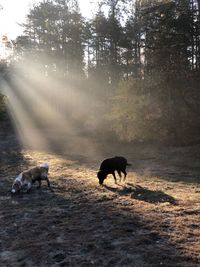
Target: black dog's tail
{"x":128,"y":164}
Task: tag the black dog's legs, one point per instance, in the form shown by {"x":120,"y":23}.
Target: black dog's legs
{"x":119,"y":172}
{"x":113,"y":173}
{"x":125,"y":173}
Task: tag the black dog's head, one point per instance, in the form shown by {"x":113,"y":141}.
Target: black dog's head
{"x":101,"y":176}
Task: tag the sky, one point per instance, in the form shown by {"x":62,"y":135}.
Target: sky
{"x":14,"y":13}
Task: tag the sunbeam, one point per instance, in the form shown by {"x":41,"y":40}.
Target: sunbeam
{"x":49,"y":113}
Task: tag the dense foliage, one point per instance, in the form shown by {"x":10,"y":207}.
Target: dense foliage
{"x":140,"y":59}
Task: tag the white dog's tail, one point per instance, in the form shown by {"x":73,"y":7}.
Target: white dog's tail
{"x":45,"y":165}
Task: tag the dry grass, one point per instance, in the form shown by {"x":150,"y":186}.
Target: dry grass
{"x":150,"y":220}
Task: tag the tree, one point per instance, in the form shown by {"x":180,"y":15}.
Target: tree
{"x":56,"y":32}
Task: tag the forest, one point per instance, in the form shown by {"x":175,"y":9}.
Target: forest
{"x":135,"y":65}
{"x":75,"y":92}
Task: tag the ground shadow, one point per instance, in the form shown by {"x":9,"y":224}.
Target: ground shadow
{"x":170,"y":163}
{"x":77,"y":226}
{"x":12,"y":160}
{"x":74,"y":226}
{"x":142,"y":193}
{"x":102,"y":235}
{"x":166,"y":163}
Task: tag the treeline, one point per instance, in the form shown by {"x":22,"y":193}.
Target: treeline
{"x":140,"y":59}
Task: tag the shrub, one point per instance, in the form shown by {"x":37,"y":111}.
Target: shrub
{"x":135,"y":115}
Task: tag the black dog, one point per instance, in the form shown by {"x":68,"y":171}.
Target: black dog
{"x":109,"y":166}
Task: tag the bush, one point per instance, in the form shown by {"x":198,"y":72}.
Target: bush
{"x":135,"y":115}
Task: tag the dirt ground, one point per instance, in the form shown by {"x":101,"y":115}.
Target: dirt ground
{"x":151,"y":219}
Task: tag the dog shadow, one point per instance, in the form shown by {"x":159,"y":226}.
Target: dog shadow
{"x":144,"y":194}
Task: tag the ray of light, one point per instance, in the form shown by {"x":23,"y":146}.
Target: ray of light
{"x":47,"y":112}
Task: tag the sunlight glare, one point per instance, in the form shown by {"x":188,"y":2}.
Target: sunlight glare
{"x":49,"y":113}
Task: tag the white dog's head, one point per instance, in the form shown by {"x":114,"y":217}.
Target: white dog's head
{"x":17,"y":185}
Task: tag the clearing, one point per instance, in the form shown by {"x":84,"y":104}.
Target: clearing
{"x":153,"y":219}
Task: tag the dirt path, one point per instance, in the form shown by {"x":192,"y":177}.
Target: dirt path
{"x":151,"y":220}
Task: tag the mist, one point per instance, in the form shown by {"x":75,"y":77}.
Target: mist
{"x":73,"y":80}
{"x":52,"y":113}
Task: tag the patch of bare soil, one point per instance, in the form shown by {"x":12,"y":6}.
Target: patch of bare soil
{"x":153,"y":219}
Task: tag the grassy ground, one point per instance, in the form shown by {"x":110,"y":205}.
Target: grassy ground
{"x":153,"y":219}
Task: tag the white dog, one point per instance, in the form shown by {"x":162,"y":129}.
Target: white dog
{"x":23,"y":182}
